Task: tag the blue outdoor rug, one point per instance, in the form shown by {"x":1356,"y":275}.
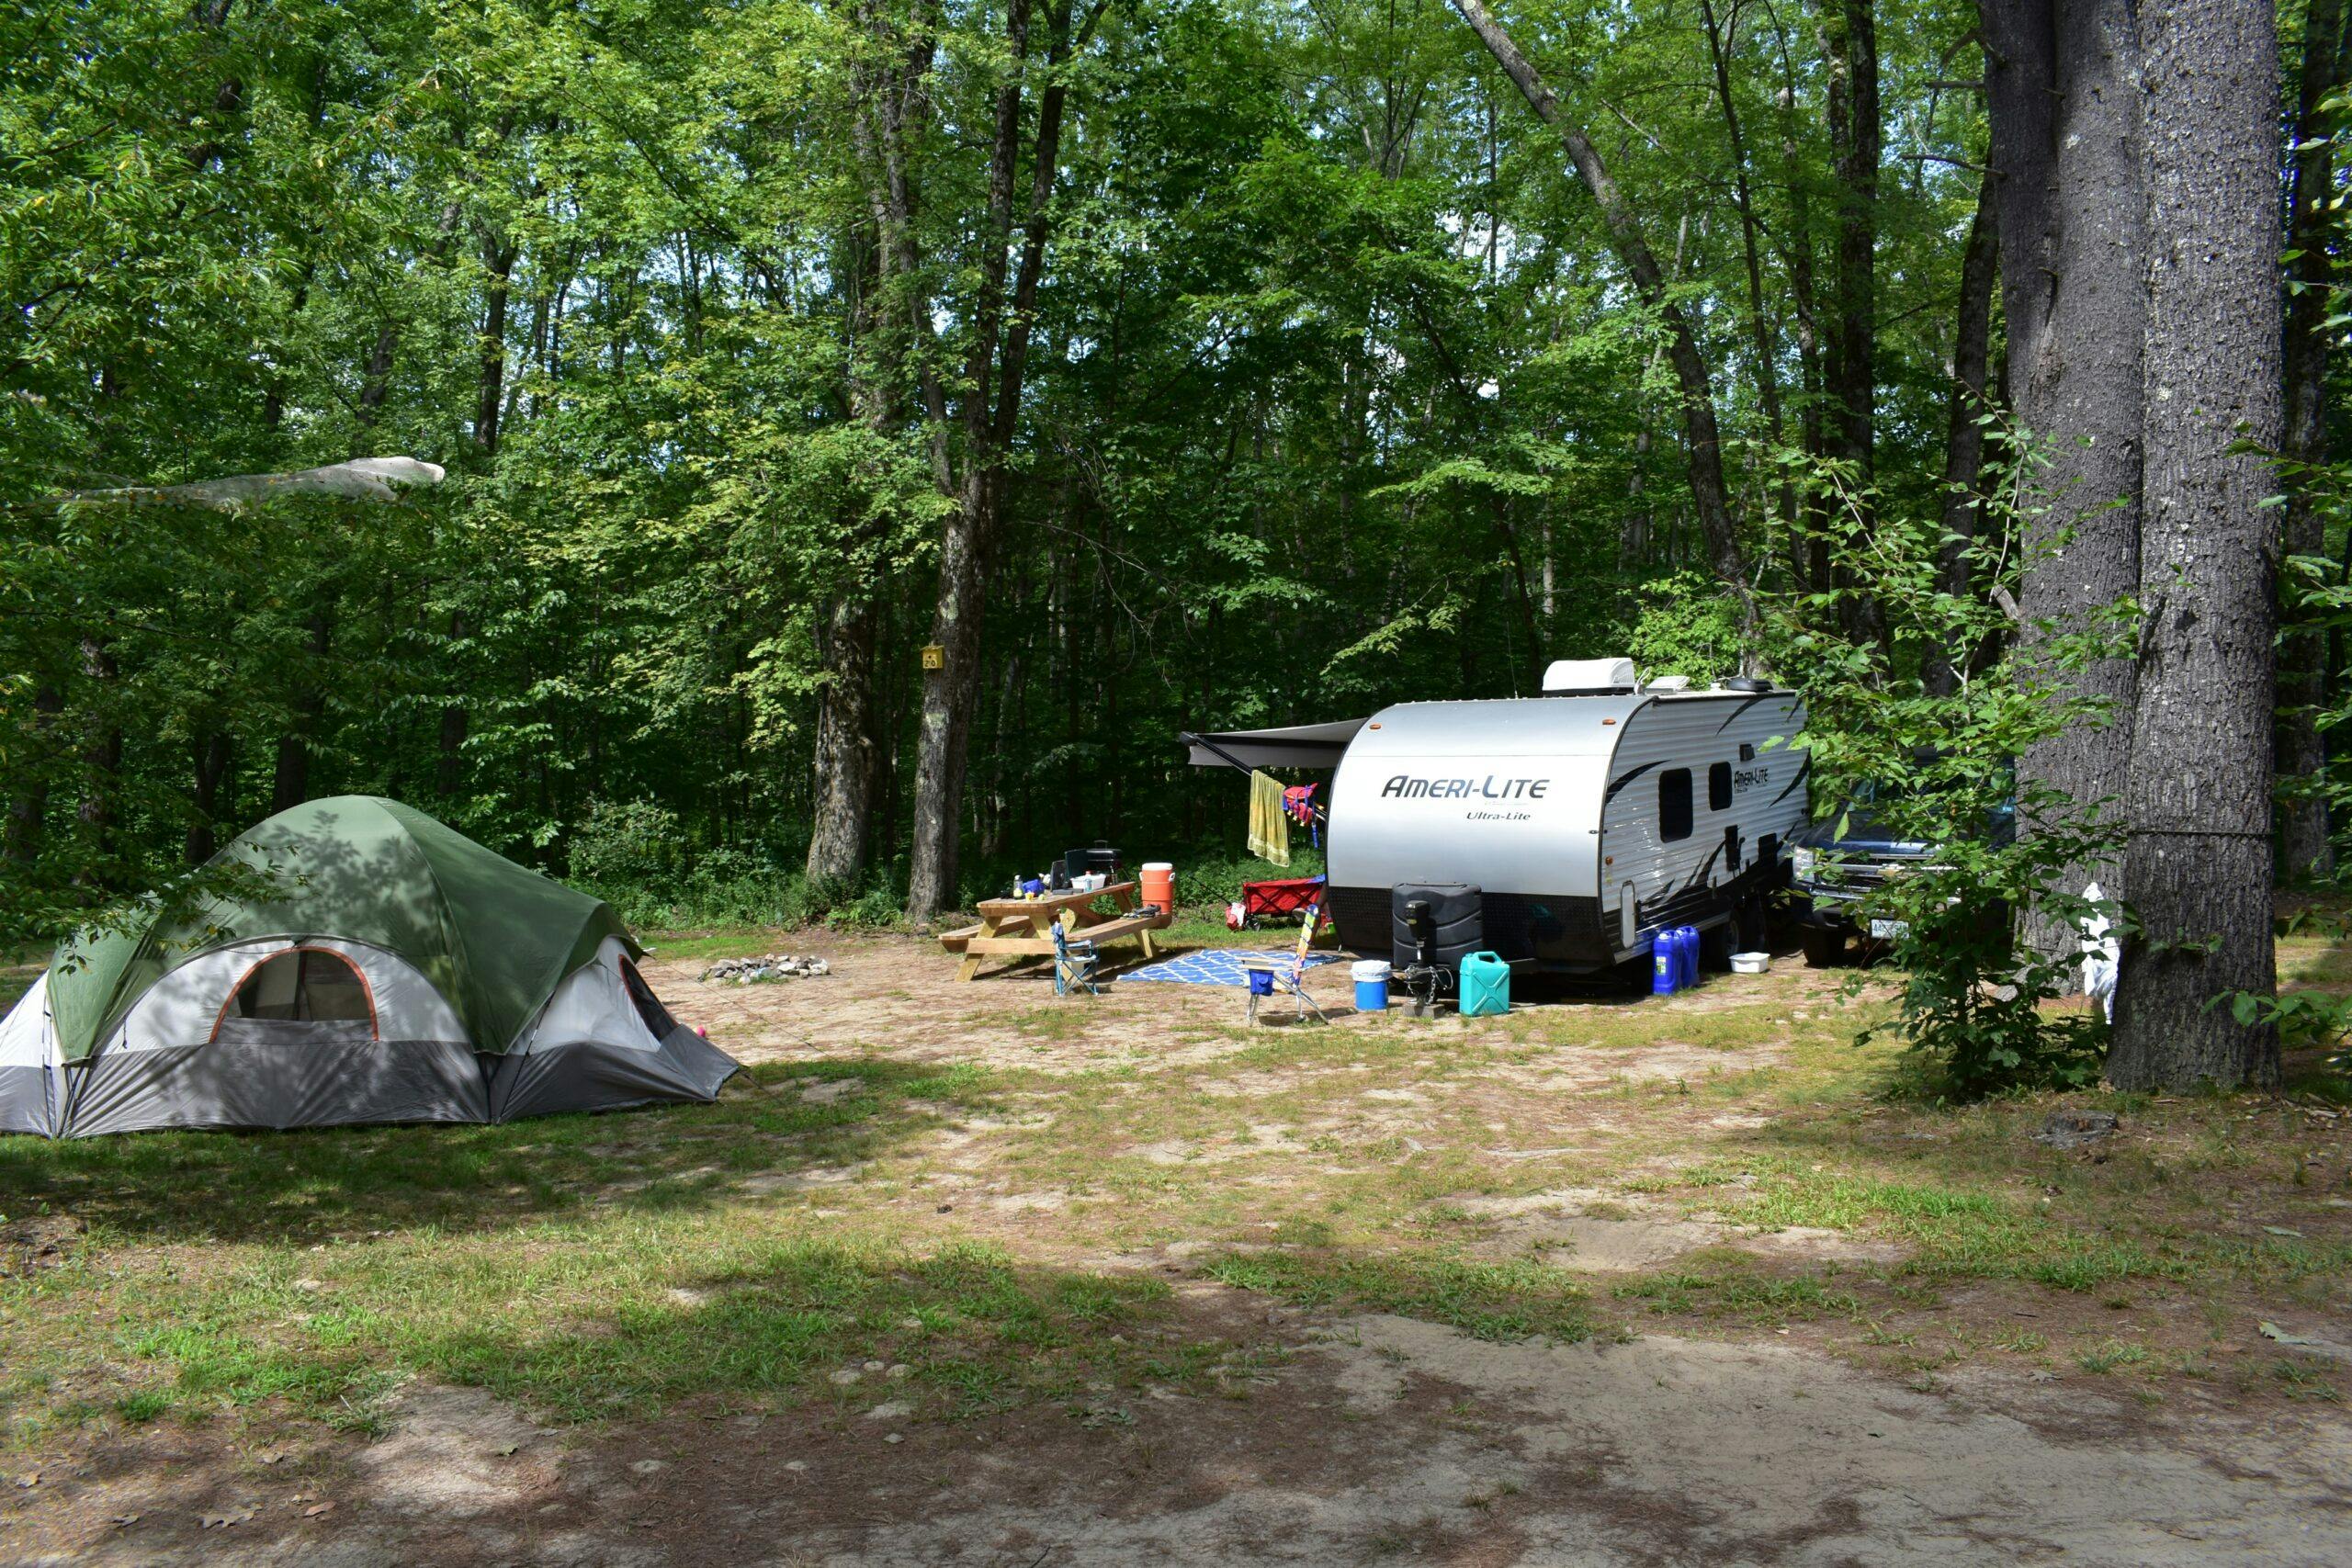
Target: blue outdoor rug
{"x":1222,"y":966}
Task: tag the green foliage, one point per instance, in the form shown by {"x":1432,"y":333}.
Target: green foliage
{"x":1934,"y":763}
{"x":1334,"y":400}
{"x":625,"y":842}
{"x":1688,"y":626}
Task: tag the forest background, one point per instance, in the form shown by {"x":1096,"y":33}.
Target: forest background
{"x":1170,"y":364}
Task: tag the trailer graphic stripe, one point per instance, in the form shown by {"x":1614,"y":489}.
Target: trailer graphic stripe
{"x":1802,"y":769}
{"x":1743,"y":707}
{"x":1623,"y":780}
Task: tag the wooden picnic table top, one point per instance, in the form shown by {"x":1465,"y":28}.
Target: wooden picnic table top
{"x":1050,"y":903}
{"x":1023,"y":928}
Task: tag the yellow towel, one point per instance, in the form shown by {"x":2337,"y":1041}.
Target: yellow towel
{"x":1269,"y":825}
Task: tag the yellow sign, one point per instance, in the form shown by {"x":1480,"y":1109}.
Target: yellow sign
{"x":934,"y":657}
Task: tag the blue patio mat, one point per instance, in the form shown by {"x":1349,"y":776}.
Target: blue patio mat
{"x":1222,"y":966}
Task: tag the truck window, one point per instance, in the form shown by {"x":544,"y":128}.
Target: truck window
{"x":1674,"y":805}
{"x":1719,"y":787}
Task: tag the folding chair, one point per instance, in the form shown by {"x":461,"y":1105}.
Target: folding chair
{"x":1074,"y":963}
{"x":1291,"y":981}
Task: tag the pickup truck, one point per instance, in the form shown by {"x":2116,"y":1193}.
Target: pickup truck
{"x":1832,"y":874}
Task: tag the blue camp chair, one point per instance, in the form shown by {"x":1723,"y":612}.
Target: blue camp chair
{"x":1074,"y":963}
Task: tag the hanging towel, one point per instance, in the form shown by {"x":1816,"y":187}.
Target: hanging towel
{"x":1269,"y":828}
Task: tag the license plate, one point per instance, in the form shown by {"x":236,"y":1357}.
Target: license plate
{"x":1890,"y":931}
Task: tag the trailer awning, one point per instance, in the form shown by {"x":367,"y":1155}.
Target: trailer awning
{"x":1297,"y":746}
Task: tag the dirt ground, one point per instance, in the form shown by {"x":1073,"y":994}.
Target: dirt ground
{"x":1333,"y":1435}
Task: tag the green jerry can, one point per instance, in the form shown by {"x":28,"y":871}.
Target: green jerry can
{"x":1485,"y":985}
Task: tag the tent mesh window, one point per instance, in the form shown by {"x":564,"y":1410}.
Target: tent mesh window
{"x":303,"y":985}
{"x":649,"y":1006}
{"x":1674,"y":805}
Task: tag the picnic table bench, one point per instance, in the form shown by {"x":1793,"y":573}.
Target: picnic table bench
{"x":1021,"y":928}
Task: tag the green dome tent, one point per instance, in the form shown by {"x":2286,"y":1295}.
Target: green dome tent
{"x":382,"y":967}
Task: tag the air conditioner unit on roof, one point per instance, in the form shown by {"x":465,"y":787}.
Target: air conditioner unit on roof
{"x":1591,"y":677}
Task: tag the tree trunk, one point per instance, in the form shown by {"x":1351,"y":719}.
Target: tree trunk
{"x":28,"y":805}
{"x":210,"y":754}
{"x":1760,"y":319}
{"x":499,"y":259}
{"x":1849,"y":37}
{"x":2304,"y":848}
{"x":2199,"y":866}
{"x":1965,"y":427}
{"x":101,"y":762}
{"x":291,"y":779}
{"x":950,"y":694}
{"x":449,"y":771}
{"x":844,"y":774}
{"x":2062,"y":85}
{"x":1701,"y":441}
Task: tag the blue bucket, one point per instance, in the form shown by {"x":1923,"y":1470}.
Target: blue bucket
{"x":1371,"y":977}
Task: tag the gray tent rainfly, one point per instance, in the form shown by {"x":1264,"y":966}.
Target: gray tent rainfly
{"x":383,"y":967}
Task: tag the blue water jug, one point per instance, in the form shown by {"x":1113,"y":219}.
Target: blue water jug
{"x":1686,"y":950}
{"x":1485,"y":985}
{"x":1666,"y":970}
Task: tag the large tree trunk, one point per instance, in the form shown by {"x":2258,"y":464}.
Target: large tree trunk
{"x":1702,"y":443}
{"x":2304,"y":848}
{"x":1965,"y":427}
{"x":2199,"y":866}
{"x":993,"y":377}
{"x":1849,"y":34}
{"x":2062,"y":84}
{"x":844,"y":758}
{"x":1761,"y":336}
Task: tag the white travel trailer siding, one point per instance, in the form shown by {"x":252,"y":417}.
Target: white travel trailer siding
{"x":1588,"y":822}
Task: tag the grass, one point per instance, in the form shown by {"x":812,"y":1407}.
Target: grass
{"x":961,"y":1221}
{"x":588,"y":1267}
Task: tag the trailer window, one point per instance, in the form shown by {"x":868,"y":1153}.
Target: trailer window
{"x":1674,"y":805}
{"x":1719,"y":787}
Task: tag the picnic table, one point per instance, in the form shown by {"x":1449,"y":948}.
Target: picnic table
{"x":1023,"y":928}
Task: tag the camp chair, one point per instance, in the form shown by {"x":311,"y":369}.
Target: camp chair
{"x":1290,"y":981}
{"x":1074,"y":963}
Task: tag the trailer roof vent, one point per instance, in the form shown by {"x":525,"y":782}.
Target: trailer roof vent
{"x":1591,"y":677}
{"x":1670,"y":683}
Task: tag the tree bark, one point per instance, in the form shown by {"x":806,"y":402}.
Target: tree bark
{"x":2061,"y":86}
{"x":210,"y":754}
{"x":1760,"y":319}
{"x":1849,"y":38}
{"x":1701,"y":441}
{"x":498,"y":259}
{"x":2199,"y":864}
{"x":844,"y":775}
{"x":992,"y":381}
{"x":2304,"y":848}
{"x":1964,"y":426}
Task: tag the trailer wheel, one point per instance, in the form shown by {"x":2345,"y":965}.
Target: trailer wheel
{"x":1825,"y":946}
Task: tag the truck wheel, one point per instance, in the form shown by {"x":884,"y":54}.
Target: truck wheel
{"x":1825,"y":946}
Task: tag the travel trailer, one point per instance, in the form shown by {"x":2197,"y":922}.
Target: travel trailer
{"x":1589,"y":818}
